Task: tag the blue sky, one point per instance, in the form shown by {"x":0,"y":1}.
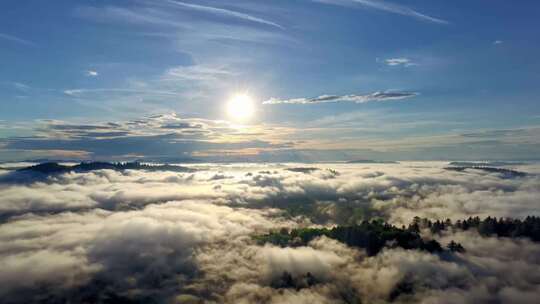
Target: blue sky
{"x":398,"y":79}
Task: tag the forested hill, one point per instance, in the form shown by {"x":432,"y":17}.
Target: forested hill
{"x":490,"y":226}
{"x":372,"y":236}
{"x":54,"y":168}
{"x":375,"y":235}
{"x":505,"y":173}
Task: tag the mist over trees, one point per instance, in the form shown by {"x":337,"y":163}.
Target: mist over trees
{"x":268,"y":233}
{"x":56,"y":168}
{"x":490,"y":226}
{"x":372,"y":236}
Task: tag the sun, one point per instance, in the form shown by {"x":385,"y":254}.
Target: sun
{"x":241,"y":107}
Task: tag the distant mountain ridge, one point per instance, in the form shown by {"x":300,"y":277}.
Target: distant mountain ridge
{"x":485,"y":164}
{"x":54,"y":168}
{"x":505,"y":173}
{"x":370,"y":161}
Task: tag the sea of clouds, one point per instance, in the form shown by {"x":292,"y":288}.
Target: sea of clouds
{"x":167,"y":237}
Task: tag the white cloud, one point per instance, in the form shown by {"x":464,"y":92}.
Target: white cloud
{"x":497,"y":42}
{"x":91,"y":73}
{"x":196,"y":73}
{"x":400,"y":191}
{"x":399,"y":61}
{"x":377,"y":96}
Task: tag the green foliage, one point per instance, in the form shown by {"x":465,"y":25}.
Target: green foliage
{"x":372,"y":236}
{"x":490,"y":226}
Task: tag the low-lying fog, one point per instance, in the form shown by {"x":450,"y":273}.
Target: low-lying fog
{"x":188,"y":237}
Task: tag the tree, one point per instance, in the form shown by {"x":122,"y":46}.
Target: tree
{"x":455,"y":247}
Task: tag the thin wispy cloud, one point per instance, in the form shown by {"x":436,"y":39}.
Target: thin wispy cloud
{"x":16,"y":39}
{"x":386,"y":6}
{"x":377,"y":96}
{"x":399,"y":62}
{"x":170,"y":17}
{"x":91,"y":73}
{"x":196,"y":73}
{"x":80,"y":92}
{"x":16,"y":85}
{"x":224,"y":12}
{"x":497,"y":42}
{"x":135,"y":15}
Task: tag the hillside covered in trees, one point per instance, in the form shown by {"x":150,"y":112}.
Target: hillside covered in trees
{"x":490,"y":226}
{"x":54,"y":168}
{"x":372,"y":236}
{"x":503,"y":172}
{"x":375,"y":235}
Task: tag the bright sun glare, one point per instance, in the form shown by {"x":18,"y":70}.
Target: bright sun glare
{"x":241,"y":107}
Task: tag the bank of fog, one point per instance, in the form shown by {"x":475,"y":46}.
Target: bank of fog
{"x":139,"y":236}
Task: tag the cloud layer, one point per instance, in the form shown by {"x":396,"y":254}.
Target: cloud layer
{"x":154,"y":137}
{"x":377,"y":96}
{"x":186,"y":237}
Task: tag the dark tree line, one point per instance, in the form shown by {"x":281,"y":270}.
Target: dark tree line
{"x":506,"y":173}
{"x":372,"y":236}
{"x":55,"y":168}
{"x":490,"y":226}
{"x":287,"y":280}
{"x":375,"y":235}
